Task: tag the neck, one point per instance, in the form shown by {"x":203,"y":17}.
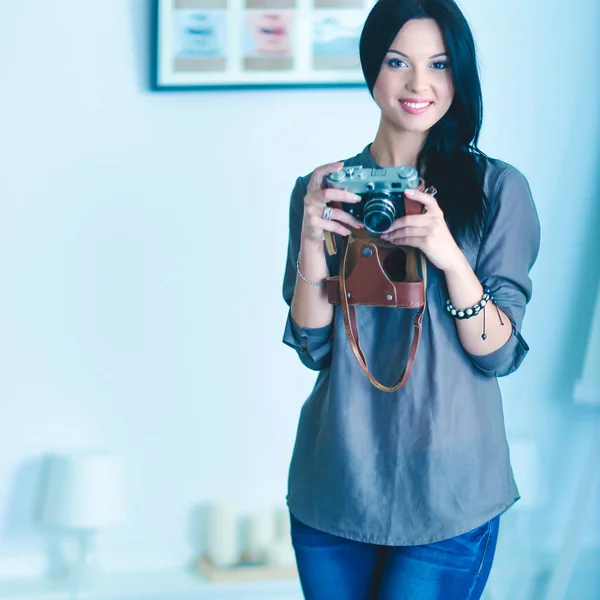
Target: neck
{"x":394,"y":147}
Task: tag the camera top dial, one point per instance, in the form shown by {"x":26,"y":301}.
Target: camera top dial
{"x":364,"y":181}
{"x":381,"y":192}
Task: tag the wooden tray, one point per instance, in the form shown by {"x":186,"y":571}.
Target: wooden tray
{"x":245,"y":571}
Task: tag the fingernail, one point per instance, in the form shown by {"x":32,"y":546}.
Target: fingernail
{"x":410,"y":192}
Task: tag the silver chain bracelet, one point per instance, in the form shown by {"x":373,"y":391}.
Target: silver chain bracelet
{"x":313,"y":283}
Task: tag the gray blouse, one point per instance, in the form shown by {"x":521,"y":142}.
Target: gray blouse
{"x":430,"y":461}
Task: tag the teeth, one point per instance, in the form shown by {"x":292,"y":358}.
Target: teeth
{"x":416,"y":104}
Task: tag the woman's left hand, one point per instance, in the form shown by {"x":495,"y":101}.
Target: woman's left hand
{"x":428,"y":232}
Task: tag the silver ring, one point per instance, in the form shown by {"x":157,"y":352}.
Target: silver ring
{"x":328,"y":213}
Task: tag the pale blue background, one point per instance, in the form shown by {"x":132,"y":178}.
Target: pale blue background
{"x":141,"y":266}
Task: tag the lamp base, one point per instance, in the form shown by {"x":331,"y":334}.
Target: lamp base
{"x":85,"y":570}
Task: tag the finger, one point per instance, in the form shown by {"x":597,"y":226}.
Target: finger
{"x":321,"y":198}
{"x":343,"y":217}
{"x":317,"y":211}
{"x":410,"y":221}
{"x":335,"y":227}
{"x":413,"y":241}
{"x":316,"y":180}
{"x":333,"y":195}
{"x":427,"y":200}
{"x":405,"y":233}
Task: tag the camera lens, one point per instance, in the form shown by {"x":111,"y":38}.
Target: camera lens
{"x":379,"y":212}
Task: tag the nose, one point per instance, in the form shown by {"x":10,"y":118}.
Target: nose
{"x":417,"y":82}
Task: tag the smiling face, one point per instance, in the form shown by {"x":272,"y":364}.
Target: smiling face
{"x":414,"y":88}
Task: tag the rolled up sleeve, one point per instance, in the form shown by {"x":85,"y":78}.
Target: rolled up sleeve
{"x":314,"y":346}
{"x":507,"y":254}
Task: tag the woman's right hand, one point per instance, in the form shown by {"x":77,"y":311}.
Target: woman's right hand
{"x":315,"y":202}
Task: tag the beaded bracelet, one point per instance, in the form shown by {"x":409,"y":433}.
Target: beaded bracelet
{"x":313,"y":283}
{"x":474,"y":310}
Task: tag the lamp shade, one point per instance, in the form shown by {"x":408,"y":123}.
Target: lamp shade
{"x":84,"y":491}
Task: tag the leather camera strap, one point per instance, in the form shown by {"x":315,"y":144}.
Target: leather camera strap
{"x":330,"y":244}
{"x":350,"y":323}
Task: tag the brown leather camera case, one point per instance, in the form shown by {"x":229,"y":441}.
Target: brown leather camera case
{"x":374,"y":272}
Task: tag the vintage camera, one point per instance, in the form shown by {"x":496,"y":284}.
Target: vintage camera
{"x":381,"y":190}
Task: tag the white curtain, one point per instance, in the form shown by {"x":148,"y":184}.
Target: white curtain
{"x":587,"y":390}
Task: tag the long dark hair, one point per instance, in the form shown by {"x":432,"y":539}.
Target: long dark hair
{"x":450,"y":155}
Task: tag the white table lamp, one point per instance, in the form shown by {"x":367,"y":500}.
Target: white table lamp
{"x":84,"y":494}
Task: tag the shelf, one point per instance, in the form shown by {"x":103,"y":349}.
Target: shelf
{"x":170,"y":585}
{"x":246,"y":572}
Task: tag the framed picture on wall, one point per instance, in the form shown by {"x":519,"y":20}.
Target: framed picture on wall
{"x":208,"y":44}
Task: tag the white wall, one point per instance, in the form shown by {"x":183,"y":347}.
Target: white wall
{"x":143,"y":239}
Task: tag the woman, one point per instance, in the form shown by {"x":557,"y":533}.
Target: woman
{"x":398,"y":495}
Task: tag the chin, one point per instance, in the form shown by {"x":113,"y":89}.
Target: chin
{"x":413,"y":126}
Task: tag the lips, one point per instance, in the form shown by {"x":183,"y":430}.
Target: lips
{"x":415,"y":106}
{"x":273,"y":30}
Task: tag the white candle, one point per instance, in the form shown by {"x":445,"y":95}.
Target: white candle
{"x":279,"y":554}
{"x":221,"y":534}
{"x":282,"y":524}
{"x":259,"y":532}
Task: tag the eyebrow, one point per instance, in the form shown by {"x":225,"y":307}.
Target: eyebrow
{"x":406,"y":55}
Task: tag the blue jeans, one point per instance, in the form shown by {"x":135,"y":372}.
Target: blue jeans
{"x":335,"y":568}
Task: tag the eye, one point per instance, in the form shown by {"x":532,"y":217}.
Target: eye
{"x":440,"y":65}
{"x":396,"y":63}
